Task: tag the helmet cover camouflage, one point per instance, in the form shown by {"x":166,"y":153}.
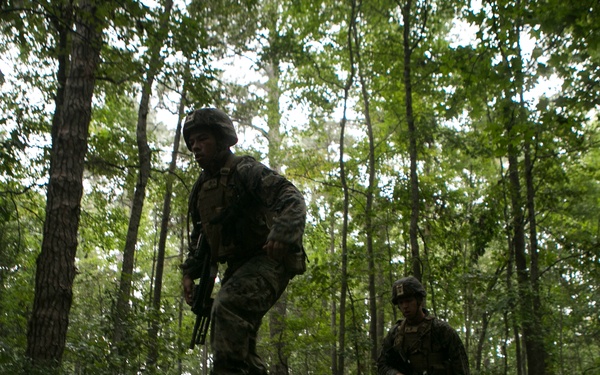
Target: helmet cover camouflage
{"x":407,"y":287}
{"x":209,"y":118}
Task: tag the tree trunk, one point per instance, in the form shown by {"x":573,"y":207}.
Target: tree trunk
{"x":181,"y":303}
{"x":162,"y":239}
{"x":346,"y":204}
{"x":277,"y":325}
{"x":511,"y":309}
{"x":374,"y":338}
{"x":46,"y":336}
{"x":485,"y":320}
{"x":518,"y":241}
{"x":526,"y":276}
{"x":412,"y":136}
{"x":334,"y":329}
{"x":278,"y":313}
{"x":538,"y":338}
{"x":62,"y":25}
{"x":122,"y":306}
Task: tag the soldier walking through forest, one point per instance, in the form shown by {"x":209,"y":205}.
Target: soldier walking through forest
{"x":249,"y":217}
{"x":420,"y":344}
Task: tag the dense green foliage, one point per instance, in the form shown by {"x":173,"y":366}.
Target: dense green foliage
{"x":505,"y":99}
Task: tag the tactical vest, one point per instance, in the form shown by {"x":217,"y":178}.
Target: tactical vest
{"x":415,"y":344}
{"x":233,"y":226}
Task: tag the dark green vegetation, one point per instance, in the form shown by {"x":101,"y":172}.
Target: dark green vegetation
{"x":421,"y":133}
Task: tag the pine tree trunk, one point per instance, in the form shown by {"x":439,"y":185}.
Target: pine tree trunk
{"x":46,"y":336}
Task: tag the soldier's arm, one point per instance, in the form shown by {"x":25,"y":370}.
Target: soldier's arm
{"x":457,"y":355}
{"x":389,"y":362}
{"x":281,"y":197}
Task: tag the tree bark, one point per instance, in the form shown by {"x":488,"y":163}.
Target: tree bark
{"x":412,"y":137}
{"x":62,"y":25}
{"x":538,"y":338}
{"x":46,"y":336}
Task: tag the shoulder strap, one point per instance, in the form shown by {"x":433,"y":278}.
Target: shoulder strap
{"x":228,"y":169}
{"x":191,"y":214}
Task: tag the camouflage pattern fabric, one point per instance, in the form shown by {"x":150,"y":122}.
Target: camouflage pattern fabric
{"x":252,"y":282}
{"x":239,"y":307}
{"x":444,"y":344}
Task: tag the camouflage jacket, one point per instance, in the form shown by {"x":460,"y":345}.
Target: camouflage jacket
{"x":443,"y":343}
{"x":258,"y":188}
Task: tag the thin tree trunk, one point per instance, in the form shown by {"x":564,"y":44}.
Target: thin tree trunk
{"x":524,"y":290}
{"x":485,"y":320}
{"x":412,"y":136}
{"x":344,"y":268}
{"x":122,"y":306}
{"x":511,"y":310}
{"x":278,"y":313}
{"x":390,"y":272}
{"x":531,"y":326}
{"x":356,"y":324}
{"x":374,"y":338}
{"x":47,"y":330}
{"x":518,"y":232}
{"x":180,"y":307}
{"x":346,"y":204}
{"x":334,"y":329}
{"x":538,"y":338}
{"x":277,"y":326}
{"x":164,"y":229}
{"x":505,"y":344}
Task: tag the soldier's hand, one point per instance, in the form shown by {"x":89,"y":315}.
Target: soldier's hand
{"x":188,"y":289}
{"x":276,"y":250}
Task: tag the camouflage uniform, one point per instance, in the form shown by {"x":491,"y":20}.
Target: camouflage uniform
{"x":431,"y":347}
{"x":263,"y":206}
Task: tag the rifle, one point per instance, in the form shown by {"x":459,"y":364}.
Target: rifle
{"x":202,"y":301}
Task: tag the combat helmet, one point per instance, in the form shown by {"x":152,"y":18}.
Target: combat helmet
{"x":407,"y":287}
{"x":209,"y":118}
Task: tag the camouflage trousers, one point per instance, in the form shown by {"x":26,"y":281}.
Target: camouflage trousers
{"x":238,"y":309}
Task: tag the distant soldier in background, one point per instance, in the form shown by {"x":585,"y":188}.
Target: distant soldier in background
{"x":250,"y":218}
{"x":420,"y":344}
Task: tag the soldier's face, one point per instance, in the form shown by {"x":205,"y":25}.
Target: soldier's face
{"x":204,"y":147}
{"x":410,"y":308}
